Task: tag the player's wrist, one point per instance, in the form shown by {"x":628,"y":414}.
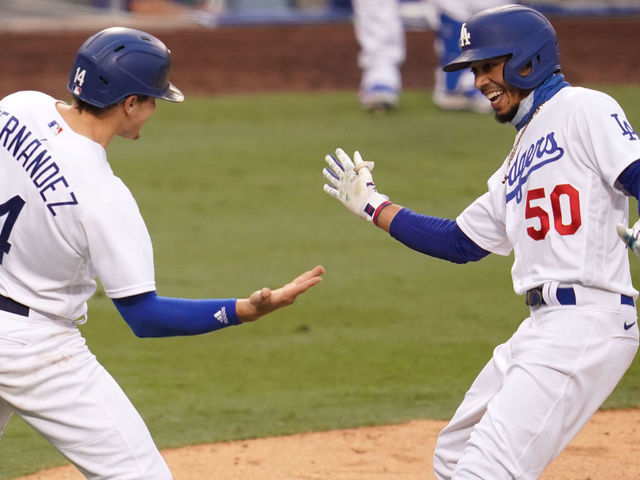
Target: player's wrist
{"x":373,"y":205}
{"x":376,"y":216}
{"x":245,"y":311}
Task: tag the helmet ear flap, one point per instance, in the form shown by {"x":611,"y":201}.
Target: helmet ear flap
{"x":542,"y":63}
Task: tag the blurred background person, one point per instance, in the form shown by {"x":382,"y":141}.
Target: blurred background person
{"x":379,"y":30}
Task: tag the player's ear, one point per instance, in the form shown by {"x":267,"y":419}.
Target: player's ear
{"x":525,"y":70}
{"x":129,"y":103}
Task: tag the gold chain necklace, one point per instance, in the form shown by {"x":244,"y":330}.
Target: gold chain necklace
{"x":514,"y":149}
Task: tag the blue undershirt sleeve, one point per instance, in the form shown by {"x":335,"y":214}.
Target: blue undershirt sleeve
{"x":629,"y":180}
{"x":437,"y":237}
{"x":149,"y":315}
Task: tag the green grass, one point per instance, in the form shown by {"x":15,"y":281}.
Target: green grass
{"x":231,"y":190}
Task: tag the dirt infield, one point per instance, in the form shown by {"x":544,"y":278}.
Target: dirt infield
{"x":607,"y":448}
{"x":317,"y":58}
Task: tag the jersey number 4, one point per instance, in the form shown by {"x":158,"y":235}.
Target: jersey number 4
{"x":10,"y":209}
{"x":561,"y":194}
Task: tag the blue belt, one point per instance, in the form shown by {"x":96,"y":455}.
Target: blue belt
{"x":9,"y":305}
{"x":565,"y":296}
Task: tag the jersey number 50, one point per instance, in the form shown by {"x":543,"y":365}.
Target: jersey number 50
{"x":561,"y":192}
{"x":10,"y":209}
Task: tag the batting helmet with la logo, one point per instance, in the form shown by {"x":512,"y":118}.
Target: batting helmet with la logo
{"x":521,"y":33}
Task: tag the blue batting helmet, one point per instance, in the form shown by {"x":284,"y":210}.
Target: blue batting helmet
{"x":519,"y":32}
{"x":118,"y":62}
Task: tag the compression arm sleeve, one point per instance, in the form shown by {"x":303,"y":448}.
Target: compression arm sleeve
{"x":437,"y":237}
{"x":149,"y":315}
{"x":629,"y":180}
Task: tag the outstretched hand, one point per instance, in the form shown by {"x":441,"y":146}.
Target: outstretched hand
{"x":265,"y":300}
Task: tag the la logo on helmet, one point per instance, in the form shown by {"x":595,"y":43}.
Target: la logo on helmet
{"x":465,"y":37}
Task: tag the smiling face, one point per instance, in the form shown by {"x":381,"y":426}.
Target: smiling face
{"x":489,"y":79}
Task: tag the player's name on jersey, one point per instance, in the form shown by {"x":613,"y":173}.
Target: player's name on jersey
{"x":29,"y":152}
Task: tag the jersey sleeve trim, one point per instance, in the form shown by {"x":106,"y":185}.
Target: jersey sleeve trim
{"x":131,"y":290}
{"x":478,"y":240}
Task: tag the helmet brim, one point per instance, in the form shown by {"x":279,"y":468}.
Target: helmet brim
{"x":473,"y":55}
{"x":172,"y":94}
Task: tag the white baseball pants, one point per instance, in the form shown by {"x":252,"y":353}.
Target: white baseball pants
{"x":380,"y":33}
{"x":537,"y":391}
{"x":49,"y":377}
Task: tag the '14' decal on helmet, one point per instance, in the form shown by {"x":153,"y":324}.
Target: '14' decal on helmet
{"x":79,"y":78}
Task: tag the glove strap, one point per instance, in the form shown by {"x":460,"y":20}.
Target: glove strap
{"x":378,"y":210}
{"x":375,"y":203}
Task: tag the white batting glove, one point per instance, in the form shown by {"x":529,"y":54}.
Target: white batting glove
{"x":352,"y":184}
{"x":630,"y":236}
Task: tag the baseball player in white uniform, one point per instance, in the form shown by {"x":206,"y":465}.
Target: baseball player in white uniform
{"x":380,"y":34}
{"x":65,"y":219}
{"x":559,"y":202}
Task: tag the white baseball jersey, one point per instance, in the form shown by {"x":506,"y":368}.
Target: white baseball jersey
{"x":65,"y":218}
{"x":559,"y":206}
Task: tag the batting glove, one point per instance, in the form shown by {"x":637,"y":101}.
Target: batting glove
{"x":352,"y":184}
{"x":630,"y":236}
